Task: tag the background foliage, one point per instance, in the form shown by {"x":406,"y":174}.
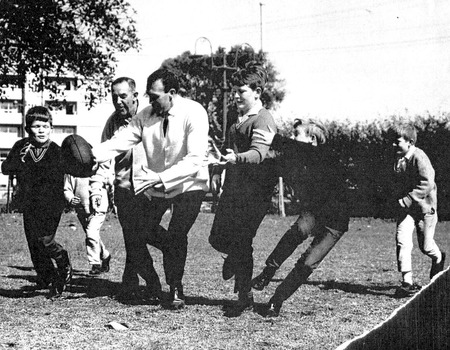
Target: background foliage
{"x":201,"y":78}
{"x":366,"y":151}
{"x":59,"y":37}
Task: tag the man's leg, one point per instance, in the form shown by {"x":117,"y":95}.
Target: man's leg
{"x":186,"y":207}
{"x":133,"y":212}
{"x":323,"y":242}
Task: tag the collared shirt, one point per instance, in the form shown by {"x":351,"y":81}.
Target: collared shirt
{"x":254,"y":110}
{"x":180,"y":157}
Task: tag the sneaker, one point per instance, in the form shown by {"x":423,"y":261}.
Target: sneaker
{"x":228,"y":268}
{"x":407,"y":290}
{"x":273,"y":309}
{"x":263,"y":279}
{"x":105,"y":263}
{"x":96,"y":270}
{"x":437,"y":267}
{"x":177,"y":300}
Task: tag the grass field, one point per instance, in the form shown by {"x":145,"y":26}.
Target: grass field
{"x":349,"y":293}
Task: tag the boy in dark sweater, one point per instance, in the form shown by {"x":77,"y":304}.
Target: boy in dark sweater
{"x":248,"y":187}
{"x":35,"y":160}
{"x":318,"y":181}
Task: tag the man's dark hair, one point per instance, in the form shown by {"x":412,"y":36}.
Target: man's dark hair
{"x":168,"y":79}
{"x":120,"y":80}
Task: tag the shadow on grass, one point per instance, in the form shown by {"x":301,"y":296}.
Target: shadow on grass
{"x":82,"y":285}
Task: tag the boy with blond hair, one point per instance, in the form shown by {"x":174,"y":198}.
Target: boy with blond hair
{"x":319,"y":182}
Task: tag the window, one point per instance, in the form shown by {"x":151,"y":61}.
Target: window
{"x":69,"y":130}
{"x":10,"y":130}
{"x":64,"y":107}
{"x":10,"y":106}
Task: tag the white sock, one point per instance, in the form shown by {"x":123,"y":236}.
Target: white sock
{"x":407,"y":277}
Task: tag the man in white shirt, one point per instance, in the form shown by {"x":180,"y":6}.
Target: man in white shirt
{"x":174,"y":133}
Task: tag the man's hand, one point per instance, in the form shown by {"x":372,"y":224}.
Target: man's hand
{"x":147,"y":178}
{"x":75,"y":201}
{"x":230,"y":157}
{"x":263,"y":136}
{"x":96,"y":202}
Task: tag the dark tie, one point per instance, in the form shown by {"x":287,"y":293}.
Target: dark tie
{"x":165,"y":123}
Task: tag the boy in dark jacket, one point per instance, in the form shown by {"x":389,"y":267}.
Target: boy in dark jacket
{"x":35,"y":160}
{"x":318,"y":181}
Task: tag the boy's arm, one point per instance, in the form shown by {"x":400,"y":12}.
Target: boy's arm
{"x":13,"y":162}
{"x":425,"y":182}
{"x":68,"y":188}
{"x":257,"y":151}
{"x":286,"y":145}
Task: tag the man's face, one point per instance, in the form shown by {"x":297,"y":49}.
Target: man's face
{"x":161,"y":101}
{"x":246,"y":97}
{"x":39,"y":131}
{"x":401,"y":146}
{"x":124,"y":99}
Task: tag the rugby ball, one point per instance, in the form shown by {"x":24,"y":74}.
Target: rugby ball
{"x":76,"y":156}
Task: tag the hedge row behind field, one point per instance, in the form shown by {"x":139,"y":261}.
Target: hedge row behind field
{"x":366,"y":151}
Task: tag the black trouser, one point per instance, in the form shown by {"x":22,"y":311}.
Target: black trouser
{"x":133,"y":212}
{"x":185,"y":209}
{"x":40,"y":225}
{"x":236,"y":222}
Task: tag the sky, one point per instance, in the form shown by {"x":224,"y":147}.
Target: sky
{"x":353,"y":59}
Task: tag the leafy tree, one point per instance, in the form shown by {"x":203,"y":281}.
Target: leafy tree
{"x":57,"y":37}
{"x":202,"y":79}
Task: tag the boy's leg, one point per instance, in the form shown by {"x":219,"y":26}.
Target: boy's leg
{"x":404,"y":246}
{"x":298,"y":232}
{"x":95,"y":249}
{"x":42,"y":263}
{"x":426,"y":227}
{"x":325,"y":239}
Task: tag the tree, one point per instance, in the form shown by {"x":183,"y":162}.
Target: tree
{"x":202,"y":79}
{"x":58,"y":37}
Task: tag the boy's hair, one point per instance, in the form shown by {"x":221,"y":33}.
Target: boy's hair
{"x":407,"y":131}
{"x":40,"y":113}
{"x":120,"y":80}
{"x":313,"y":128}
{"x":168,"y":79}
{"x":254,"y":75}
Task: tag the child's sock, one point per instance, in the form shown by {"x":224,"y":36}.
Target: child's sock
{"x":407,"y":277}
{"x":438,"y":260}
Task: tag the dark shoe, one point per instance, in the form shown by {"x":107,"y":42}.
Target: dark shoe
{"x":42,"y":283}
{"x":437,"y":267}
{"x":273,"y":309}
{"x":406,"y":290}
{"x":228,"y":269}
{"x":244,"y":303}
{"x":177,"y":300}
{"x":105,"y":263}
{"x":54,"y":291}
{"x":153,"y":296}
{"x":96,"y":270}
{"x":262,"y":280}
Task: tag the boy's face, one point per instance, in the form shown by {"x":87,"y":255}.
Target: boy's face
{"x":40,"y":131}
{"x":246,"y":97}
{"x":300,"y":134}
{"x":401,"y":146}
